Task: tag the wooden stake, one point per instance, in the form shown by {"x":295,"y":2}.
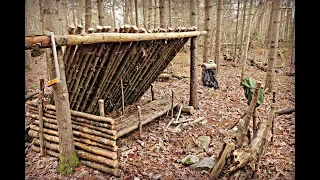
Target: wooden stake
{"x":152,"y":93}
{"x":273,"y":103}
{"x":41,"y":138}
{"x":177,"y":118}
{"x":254,"y":122}
{"x":101,"y":107}
{"x":122,"y":96}
{"x":140,"y":123}
{"x":172,"y":97}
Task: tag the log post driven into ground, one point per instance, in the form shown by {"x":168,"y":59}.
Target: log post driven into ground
{"x":140,"y":123}
{"x":101,"y":107}
{"x":193,"y":101}
{"x":41,"y":142}
{"x":172,"y":99}
{"x":152,"y":93}
{"x":122,"y":96}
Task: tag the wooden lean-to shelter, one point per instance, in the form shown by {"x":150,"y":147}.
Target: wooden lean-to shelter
{"x":116,"y":68}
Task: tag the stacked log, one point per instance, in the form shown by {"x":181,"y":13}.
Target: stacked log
{"x":150,"y":111}
{"x":94,"y":137}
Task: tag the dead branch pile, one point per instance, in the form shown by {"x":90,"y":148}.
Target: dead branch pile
{"x":244,"y":153}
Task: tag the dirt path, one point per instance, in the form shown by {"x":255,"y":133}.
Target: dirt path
{"x":162,"y":152}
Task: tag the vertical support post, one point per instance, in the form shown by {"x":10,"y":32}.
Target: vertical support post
{"x":193,"y":73}
{"x":101,"y":107}
{"x":152,"y":93}
{"x":122,"y":96}
{"x":254,"y":122}
{"x":140,"y":123}
{"x":273,"y":106}
{"x":172,"y":97}
{"x":41,"y":138}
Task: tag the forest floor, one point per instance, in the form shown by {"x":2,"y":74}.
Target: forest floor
{"x":162,"y":152}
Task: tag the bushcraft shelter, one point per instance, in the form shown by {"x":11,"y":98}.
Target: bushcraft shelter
{"x":105,"y":70}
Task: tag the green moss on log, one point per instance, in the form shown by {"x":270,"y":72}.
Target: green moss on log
{"x":67,"y":164}
{"x":36,"y":52}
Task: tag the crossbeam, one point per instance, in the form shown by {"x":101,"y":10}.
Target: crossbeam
{"x":64,"y":40}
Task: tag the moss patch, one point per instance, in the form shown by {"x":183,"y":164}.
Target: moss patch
{"x":28,"y":68}
{"x":36,"y":52}
{"x":67,"y":164}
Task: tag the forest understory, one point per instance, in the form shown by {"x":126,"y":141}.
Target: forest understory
{"x":162,"y":152}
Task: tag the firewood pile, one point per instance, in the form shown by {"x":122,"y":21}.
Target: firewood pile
{"x":95,"y":71}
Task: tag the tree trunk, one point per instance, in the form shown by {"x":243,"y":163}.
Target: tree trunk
{"x":150,"y":14}
{"x":170,"y":20}
{"x":236,"y":35}
{"x":245,"y":54}
{"x":162,"y":14}
{"x":281,"y":23}
{"x":126,"y":12}
{"x":73,"y":9}
{"x":289,"y":17}
{"x":274,"y":45}
{"x":218,"y":35}
{"x":80,"y":12}
{"x":144,"y":13}
{"x":193,"y":58}
{"x":68,"y":157}
{"x":63,"y":8}
{"x":136,"y":12}
{"x":27,"y":26}
{"x":155,"y":14}
{"x":114,"y":13}
{"x":101,"y":13}
{"x":88,"y":16}
{"x":243,"y":25}
{"x":293,"y":39}
{"x":207,"y":27}
{"x":33,"y":24}
{"x":267,"y":40}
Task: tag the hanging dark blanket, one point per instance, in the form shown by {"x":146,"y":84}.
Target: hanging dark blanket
{"x":209,"y":79}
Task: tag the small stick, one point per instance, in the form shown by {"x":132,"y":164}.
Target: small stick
{"x":152,"y":93}
{"x":140,"y":123}
{"x":172,"y":104}
{"x":177,"y":119}
{"x":254,"y":122}
{"x":169,"y":124}
{"x":273,"y":101}
{"x":41,"y":138}
{"x":140,"y":142}
{"x":194,"y":121}
{"x":122,"y":95}
{"x":101,"y":107}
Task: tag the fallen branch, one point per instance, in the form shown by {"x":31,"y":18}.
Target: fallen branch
{"x":28,"y":96}
{"x":285,"y":111}
{"x":194,"y":121}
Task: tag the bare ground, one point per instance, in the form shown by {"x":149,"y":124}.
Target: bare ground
{"x":159,"y":159}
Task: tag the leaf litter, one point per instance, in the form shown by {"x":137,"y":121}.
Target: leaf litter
{"x":160,"y":157}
